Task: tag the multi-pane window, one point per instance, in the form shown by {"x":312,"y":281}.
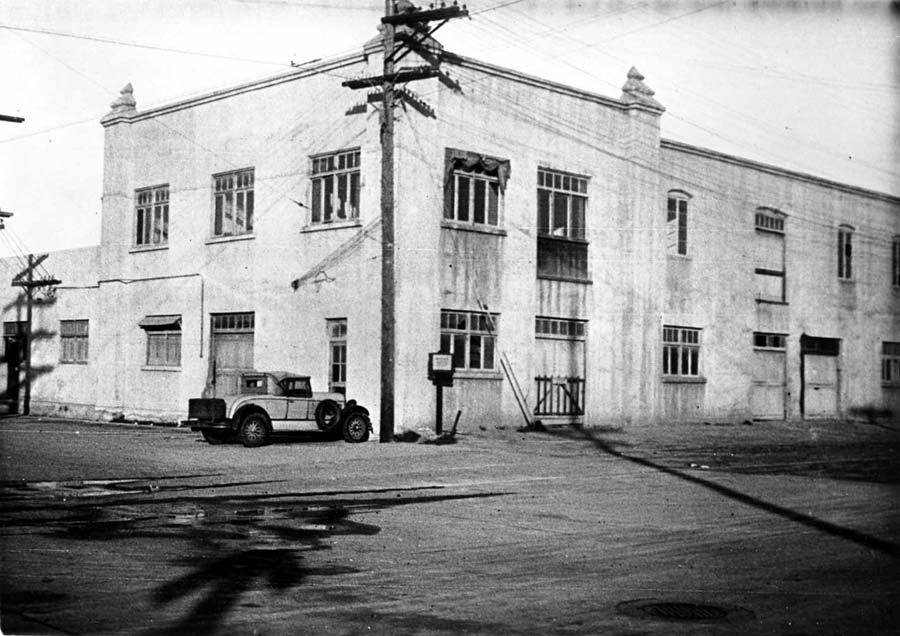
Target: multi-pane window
{"x":890,"y":363}
{"x":233,"y":323}
{"x":562,"y":250}
{"x":470,"y":337}
{"x":845,"y":252}
{"x":335,"y":186}
{"x":73,"y":337}
{"x":152,"y":216}
{"x":337,"y":354}
{"x":895,"y":261}
{"x":677,"y":222}
{"x":474,"y":195}
{"x":769,"y":255}
{"x":163,"y":340}
{"x":775,"y":341}
{"x":233,"y":193}
{"x":681,"y":351}
{"x":559,"y":327}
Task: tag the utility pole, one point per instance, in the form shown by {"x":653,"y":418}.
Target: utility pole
{"x":26,"y":280}
{"x":415,"y":37}
{"x":388,"y":306}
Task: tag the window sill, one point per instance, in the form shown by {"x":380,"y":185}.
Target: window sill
{"x":763,"y":301}
{"x":137,"y":249}
{"x":680,"y":257}
{"x":332,"y":225}
{"x":674,"y":379}
{"x":474,"y":374}
{"x":890,"y":385}
{"x":472,"y":227}
{"x":74,"y":362}
{"x":566,"y":279}
{"x":847,"y":281}
{"x":147,"y":367}
{"x":227,"y":239}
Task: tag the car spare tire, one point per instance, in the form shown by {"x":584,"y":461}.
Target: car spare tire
{"x":328,"y":416}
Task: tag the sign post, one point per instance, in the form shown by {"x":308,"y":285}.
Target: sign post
{"x":440,"y":372}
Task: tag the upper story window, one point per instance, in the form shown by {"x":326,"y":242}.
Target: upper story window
{"x":335,"y":186}
{"x":563,"y":328}
{"x":73,"y":338}
{"x":474,"y":187}
{"x":677,"y":222}
{"x":469,"y":336}
{"x":895,"y":261}
{"x":769,"y":255}
{"x":681,"y":351}
{"x":773,"y":341}
{"x":233,"y":192}
{"x":845,"y":252}
{"x":561,"y":214}
{"x":152,"y":216}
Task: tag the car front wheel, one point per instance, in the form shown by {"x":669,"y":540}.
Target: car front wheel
{"x":356,"y":428}
{"x":254,"y":430}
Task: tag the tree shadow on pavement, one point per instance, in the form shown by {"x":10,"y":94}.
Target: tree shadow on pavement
{"x":861,"y":538}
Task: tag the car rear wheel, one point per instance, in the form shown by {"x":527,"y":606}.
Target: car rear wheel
{"x":328,"y":416}
{"x":356,"y":428}
{"x":254,"y":430}
{"x":217,"y":435}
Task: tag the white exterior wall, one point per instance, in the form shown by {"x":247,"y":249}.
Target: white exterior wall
{"x":713,"y":287}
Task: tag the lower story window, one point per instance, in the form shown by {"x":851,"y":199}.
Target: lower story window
{"x":163,"y":340}
{"x":73,"y":336}
{"x":890,"y":363}
{"x":681,"y":351}
{"x":337,"y":355}
{"x":470,"y":337}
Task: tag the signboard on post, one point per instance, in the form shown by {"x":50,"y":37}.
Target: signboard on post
{"x":440,"y":372}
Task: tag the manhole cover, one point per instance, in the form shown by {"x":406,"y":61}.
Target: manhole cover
{"x":681,"y":610}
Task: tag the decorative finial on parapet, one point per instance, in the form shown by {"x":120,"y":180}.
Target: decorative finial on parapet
{"x":123,"y":105}
{"x":636,"y":92}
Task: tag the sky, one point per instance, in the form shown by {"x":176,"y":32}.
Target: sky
{"x":809,"y":86}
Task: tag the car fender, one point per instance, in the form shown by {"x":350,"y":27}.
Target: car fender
{"x":352,"y":407}
{"x":241,"y":407}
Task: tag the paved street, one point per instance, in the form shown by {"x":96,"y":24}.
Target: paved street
{"x":777,"y":528}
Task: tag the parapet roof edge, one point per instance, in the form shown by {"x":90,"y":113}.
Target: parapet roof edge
{"x":540,"y":82}
{"x":304,"y":70}
{"x":777,"y":170}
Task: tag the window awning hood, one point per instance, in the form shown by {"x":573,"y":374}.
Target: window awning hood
{"x":160,"y":322}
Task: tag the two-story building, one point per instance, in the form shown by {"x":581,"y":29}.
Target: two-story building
{"x":575,"y":265}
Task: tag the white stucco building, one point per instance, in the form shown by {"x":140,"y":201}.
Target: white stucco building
{"x":576,"y":265}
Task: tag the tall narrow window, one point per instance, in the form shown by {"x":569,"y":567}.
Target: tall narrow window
{"x":677,"y":222}
{"x":562,"y":249}
{"x":895,"y":261}
{"x":469,"y":336}
{"x":845,"y":252}
{"x":335,"y":186}
{"x":152,"y":216}
{"x":73,"y":336}
{"x":233,"y":194}
{"x":769,"y":255}
{"x":681,"y":351}
{"x":337,"y":355}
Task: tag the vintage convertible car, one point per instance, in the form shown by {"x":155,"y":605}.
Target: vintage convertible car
{"x":275,"y":402}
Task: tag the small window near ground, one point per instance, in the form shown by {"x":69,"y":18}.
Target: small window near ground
{"x":163,"y":340}
{"x":73,"y":341}
{"x":890,"y":363}
{"x":681,"y":351}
